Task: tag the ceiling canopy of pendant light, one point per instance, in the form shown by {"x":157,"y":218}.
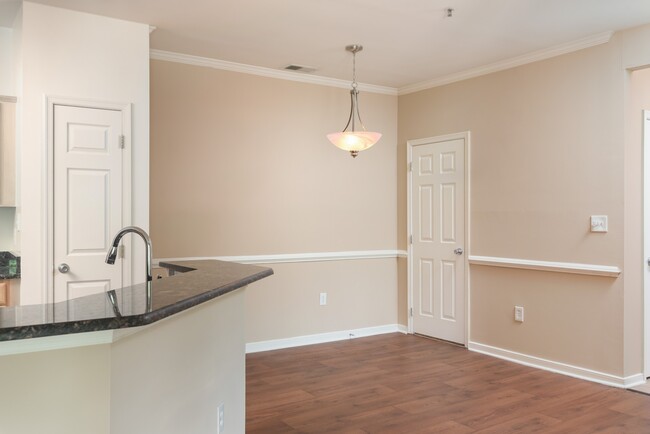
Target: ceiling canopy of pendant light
{"x":351,"y":139}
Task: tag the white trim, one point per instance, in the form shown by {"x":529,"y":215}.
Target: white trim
{"x":296,"y":257}
{"x":73,"y":340}
{"x":466,"y":137}
{"x":646,"y":242}
{"x":264,"y":72}
{"x":558,"y":367}
{"x":48,"y":184}
{"x":535,"y":56}
{"x":558,"y":267}
{"x":320,"y":338}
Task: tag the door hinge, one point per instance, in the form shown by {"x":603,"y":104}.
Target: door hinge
{"x":411,"y":311}
{"x":410,"y":239}
{"x":122,"y":141}
{"x":120,"y":251}
{"x":411,"y":167}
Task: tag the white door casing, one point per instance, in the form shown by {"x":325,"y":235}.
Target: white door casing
{"x":646,"y":242}
{"x":438,"y":236}
{"x":90,"y":196}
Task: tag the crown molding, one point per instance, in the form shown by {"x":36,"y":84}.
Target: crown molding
{"x":264,"y":72}
{"x":535,"y":56}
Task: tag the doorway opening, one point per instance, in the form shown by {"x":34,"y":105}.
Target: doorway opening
{"x":438,"y":236}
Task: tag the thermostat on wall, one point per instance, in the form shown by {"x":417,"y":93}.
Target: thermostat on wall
{"x":598,"y":223}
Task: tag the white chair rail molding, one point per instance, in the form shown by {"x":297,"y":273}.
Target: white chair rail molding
{"x":558,"y":267}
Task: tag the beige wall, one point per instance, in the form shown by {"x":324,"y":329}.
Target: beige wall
{"x":360,"y":293}
{"x":171,"y":377}
{"x":548,"y":151}
{"x":240,"y":165}
{"x":59,"y":392}
{"x":551,"y":143}
{"x":7,"y":82}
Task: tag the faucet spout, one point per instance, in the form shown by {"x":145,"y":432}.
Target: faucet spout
{"x":112,"y":253}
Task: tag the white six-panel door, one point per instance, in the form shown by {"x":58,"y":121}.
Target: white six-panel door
{"x":87,"y":199}
{"x":437,"y":222}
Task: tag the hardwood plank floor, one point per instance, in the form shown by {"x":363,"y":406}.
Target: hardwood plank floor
{"x":408,"y":384}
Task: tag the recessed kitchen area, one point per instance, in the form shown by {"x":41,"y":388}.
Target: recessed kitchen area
{"x":9,"y":256}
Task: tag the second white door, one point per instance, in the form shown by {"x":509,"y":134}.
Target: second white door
{"x":438,"y":238}
{"x":88,"y":194}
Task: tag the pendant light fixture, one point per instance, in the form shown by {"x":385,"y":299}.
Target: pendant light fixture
{"x":351,"y":139}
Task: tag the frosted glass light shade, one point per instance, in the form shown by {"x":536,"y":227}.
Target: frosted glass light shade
{"x":354,"y":141}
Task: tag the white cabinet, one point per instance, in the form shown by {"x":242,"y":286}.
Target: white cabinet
{"x":7,"y":151}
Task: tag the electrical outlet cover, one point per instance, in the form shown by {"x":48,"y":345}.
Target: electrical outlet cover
{"x":598,"y":223}
{"x":519,"y":313}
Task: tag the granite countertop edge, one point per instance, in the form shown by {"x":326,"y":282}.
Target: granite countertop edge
{"x":136,"y":320}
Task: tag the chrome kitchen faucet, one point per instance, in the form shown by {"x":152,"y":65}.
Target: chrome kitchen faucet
{"x":112,"y":254}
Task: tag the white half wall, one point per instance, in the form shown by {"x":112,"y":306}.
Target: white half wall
{"x":167,"y":378}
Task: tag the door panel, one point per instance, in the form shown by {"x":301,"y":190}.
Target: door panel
{"x":87,"y":199}
{"x":426,"y":288}
{"x":438,"y":210}
{"x":88,"y":206}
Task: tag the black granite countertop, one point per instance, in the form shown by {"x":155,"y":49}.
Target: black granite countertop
{"x":197,"y":282}
{"x":9,"y":266}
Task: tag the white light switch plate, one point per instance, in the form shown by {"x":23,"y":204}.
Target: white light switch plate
{"x":598,"y":223}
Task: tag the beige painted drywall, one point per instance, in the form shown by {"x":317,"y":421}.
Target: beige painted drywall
{"x":59,"y":391}
{"x":550,"y":147}
{"x":569,"y":318}
{"x":360,"y":293}
{"x":171,"y":377}
{"x":548,"y":150}
{"x":240,"y":165}
{"x":7,"y":82}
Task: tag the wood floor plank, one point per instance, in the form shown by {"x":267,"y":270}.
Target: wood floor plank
{"x":407,"y":384}
{"x":530,"y":423}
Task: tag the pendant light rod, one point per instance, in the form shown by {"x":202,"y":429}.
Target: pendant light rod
{"x":354,"y":92}
{"x":350,"y":139}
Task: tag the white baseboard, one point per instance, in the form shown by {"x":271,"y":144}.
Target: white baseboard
{"x":558,"y":367}
{"x":320,"y":338}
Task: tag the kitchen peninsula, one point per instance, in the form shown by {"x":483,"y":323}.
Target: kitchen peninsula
{"x":110,"y":365}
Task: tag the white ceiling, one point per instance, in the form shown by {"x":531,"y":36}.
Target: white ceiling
{"x":405,"y":41}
